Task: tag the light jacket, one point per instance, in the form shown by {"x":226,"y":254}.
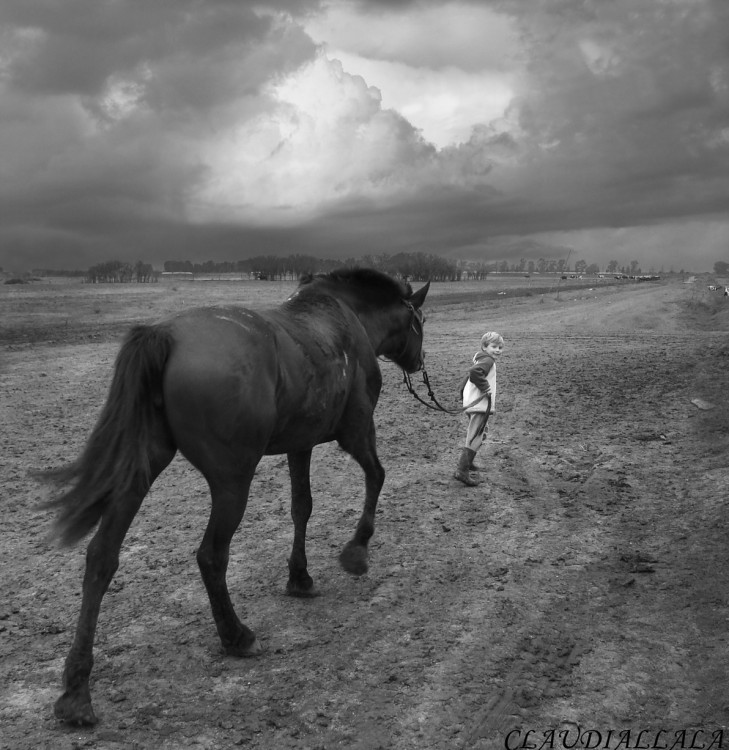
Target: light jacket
{"x":481,"y":380}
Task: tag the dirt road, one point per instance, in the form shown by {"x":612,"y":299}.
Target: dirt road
{"x":582,"y":588}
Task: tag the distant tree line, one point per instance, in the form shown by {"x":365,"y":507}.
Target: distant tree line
{"x":557,"y":265}
{"x":413,"y":266}
{"x":410,"y":266}
{"x":119,"y":272}
{"x":60,"y":272}
{"x":265,"y":267}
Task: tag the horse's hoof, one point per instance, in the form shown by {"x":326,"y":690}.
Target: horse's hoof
{"x":255,"y":649}
{"x":301,"y":591}
{"x":245,"y":650}
{"x":353,"y":559}
{"x":74,"y":711}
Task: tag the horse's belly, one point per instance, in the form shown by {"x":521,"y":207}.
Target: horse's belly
{"x":305,"y":422}
{"x":297,"y":441}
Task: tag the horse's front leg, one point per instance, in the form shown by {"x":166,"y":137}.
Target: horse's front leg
{"x":300,"y":582}
{"x":362,"y":447}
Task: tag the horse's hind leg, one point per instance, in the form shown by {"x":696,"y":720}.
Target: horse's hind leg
{"x":361,"y":445}
{"x":102,"y":561}
{"x":300,"y":582}
{"x":229,"y":503}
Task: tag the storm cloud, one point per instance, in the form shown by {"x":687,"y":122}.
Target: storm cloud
{"x":223,"y":129}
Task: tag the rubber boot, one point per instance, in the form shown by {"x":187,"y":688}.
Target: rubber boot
{"x":462,"y":473}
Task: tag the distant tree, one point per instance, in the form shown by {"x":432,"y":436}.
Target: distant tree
{"x":144,"y":273}
{"x":580,"y":266}
{"x":475,"y":271}
{"x":634,"y":268}
{"x":721,"y":268}
{"x":592,"y":268}
{"x":110,"y":272}
{"x":612,"y":266}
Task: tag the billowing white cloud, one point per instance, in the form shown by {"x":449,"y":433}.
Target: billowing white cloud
{"x":467,"y":36}
{"x":444,"y":103}
{"x":445,"y":67}
{"x":324,"y":138}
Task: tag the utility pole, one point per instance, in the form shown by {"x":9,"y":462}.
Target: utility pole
{"x":566,"y":266}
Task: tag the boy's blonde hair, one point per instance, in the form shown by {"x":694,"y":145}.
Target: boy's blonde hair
{"x":491,"y":337}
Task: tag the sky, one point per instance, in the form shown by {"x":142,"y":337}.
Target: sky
{"x":217,"y":130}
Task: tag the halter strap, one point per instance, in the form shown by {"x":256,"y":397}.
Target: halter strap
{"x":416,"y":327}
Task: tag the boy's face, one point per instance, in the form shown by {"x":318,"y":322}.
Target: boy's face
{"x":494,"y":349}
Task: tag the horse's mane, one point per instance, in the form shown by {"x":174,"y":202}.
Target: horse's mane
{"x":373,"y":282}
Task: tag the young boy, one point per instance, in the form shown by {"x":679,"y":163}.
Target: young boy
{"x":479,"y":395}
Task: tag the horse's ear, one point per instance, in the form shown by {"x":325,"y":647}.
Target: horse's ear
{"x":417,"y":299}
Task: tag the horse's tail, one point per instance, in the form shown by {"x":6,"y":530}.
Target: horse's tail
{"x":116,"y":458}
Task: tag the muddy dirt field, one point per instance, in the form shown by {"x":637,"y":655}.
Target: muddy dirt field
{"x":582,"y":589}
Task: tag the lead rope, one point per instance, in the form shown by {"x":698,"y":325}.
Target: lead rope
{"x":438,"y":406}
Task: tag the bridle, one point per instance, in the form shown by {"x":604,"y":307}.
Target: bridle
{"x":416,"y":326}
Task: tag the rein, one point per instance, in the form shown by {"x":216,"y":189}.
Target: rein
{"x":436,"y":406}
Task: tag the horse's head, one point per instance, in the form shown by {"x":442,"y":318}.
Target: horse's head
{"x":387,"y":307}
{"x":405,"y":346}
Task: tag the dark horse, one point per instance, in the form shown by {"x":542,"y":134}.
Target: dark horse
{"x":226,"y":386}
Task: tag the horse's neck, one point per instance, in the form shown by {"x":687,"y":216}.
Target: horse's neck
{"x":375,"y":321}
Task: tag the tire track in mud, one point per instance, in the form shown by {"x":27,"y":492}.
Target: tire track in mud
{"x":513,"y":602}
{"x":544,"y":645}
{"x":553,"y":588}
